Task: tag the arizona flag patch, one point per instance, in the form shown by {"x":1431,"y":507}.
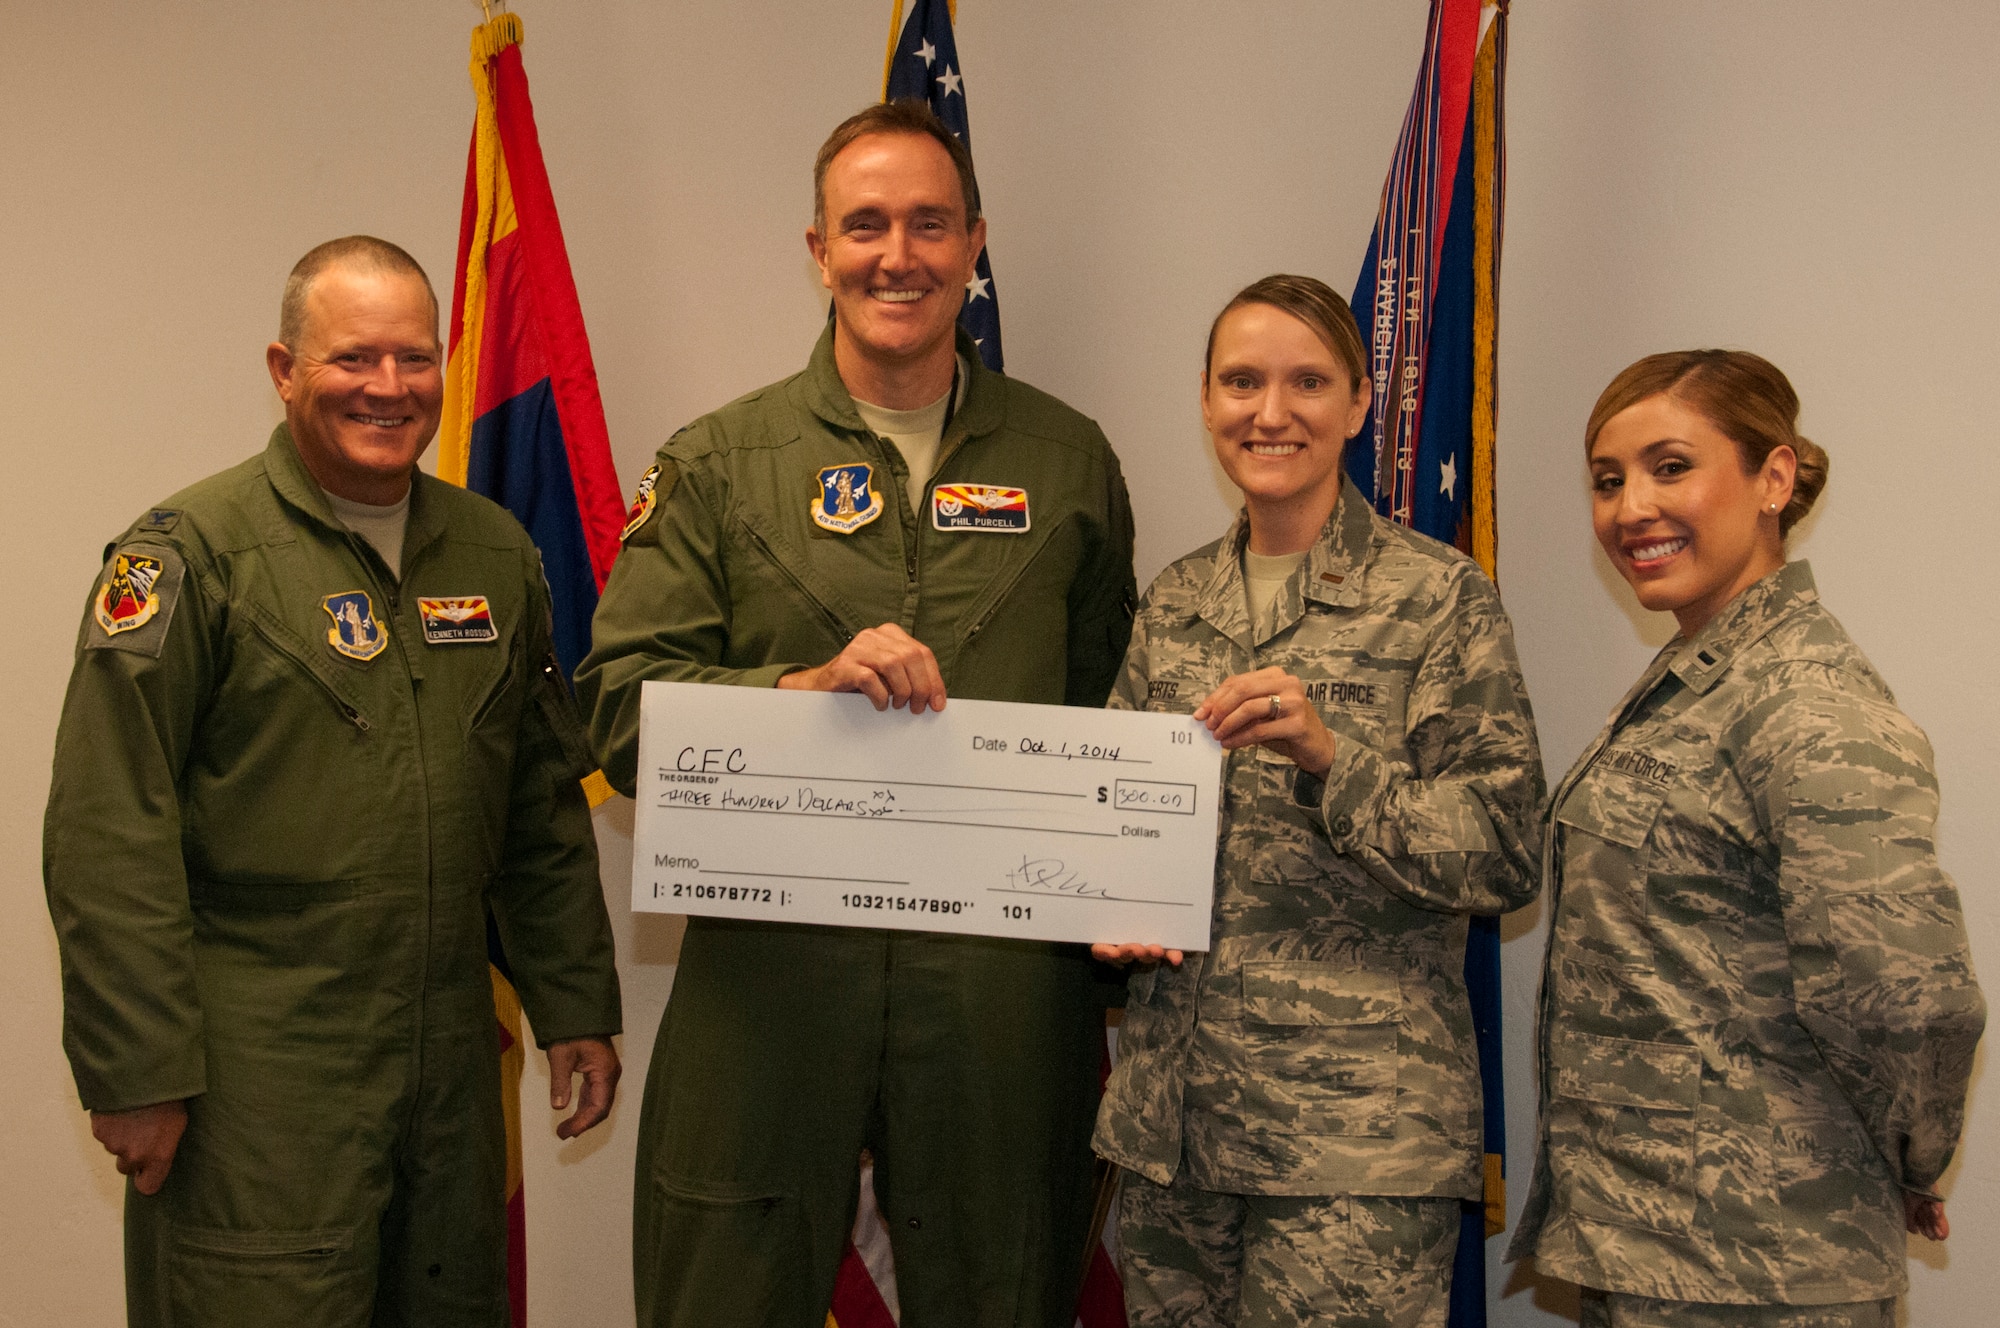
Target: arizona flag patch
{"x":642,"y":502}
{"x":990,"y":507}
{"x":127,"y":600}
{"x":453,"y":618}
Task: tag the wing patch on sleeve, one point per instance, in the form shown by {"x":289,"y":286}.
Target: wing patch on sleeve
{"x":134,"y":600}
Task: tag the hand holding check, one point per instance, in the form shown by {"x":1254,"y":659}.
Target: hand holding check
{"x":1267,"y":708}
{"x":886,"y":664}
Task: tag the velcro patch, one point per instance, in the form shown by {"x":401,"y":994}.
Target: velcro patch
{"x":451,"y":619}
{"x":987,"y":507}
{"x":135,"y":599}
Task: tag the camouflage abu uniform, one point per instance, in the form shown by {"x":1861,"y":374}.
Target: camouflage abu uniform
{"x":1324,"y":1049}
{"x":1758,"y":1012}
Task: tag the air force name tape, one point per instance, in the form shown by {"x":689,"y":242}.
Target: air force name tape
{"x":846,"y":499}
{"x":987,"y":507}
{"x":451,"y":619}
{"x":356,"y":632}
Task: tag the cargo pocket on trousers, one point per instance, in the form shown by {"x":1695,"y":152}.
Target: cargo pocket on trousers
{"x":1622,"y":1129}
{"x":1320,"y":1048}
{"x":721,"y":1254}
{"x":253,"y":1279}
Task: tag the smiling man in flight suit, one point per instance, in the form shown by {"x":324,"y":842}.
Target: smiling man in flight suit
{"x":895,"y":520}
{"x":315,"y":732}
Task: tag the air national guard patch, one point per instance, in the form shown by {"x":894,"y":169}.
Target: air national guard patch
{"x":126,"y":601}
{"x":449,"y":620}
{"x":847,"y":500}
{"x":355,"y":632}
{"x":989,"y":507}
{"x":642,"y":502}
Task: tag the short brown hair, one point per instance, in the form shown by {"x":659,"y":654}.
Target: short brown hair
{"x":1313,"y":303}
{"x":904,"y":116}
{"x":360,"y":251}
{"x":1745,"y":396}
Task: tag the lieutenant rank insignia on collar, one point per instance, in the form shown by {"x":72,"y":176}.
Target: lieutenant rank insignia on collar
{"x":846,"y":500}
{"x":355,"y":632}
{"x":127,"y":600}
{"x":454,"y":618}
{"x":989,"y":507}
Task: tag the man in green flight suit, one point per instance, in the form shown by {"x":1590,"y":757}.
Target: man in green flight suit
{"x":314,"y":735}
{"x":898,"y":521}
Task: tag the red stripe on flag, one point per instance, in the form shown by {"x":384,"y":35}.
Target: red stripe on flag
{"x":545,"y":269}
{"x":856,"y":1301}
{"x":512,"y":354}
{"x":1458,"y":49}
{"x":1102,"y":1302}
{"x":517,"y":1268}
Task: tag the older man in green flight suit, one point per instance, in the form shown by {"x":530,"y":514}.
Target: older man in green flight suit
{"x":895,"y":520}
{"x":315,"y":733}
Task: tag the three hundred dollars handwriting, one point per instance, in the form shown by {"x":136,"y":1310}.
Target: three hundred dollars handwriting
{"x":992,"y":818}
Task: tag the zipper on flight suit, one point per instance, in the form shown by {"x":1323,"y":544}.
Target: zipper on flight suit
{"x":284,"y":648}
{"x":1006,"y":592}
{"x":840,"y":629}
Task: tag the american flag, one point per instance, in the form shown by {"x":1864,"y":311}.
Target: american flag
{"x":924,"y":66}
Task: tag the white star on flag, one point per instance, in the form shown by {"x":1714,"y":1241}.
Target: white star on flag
{"x":1448,"y":478}
{"x":928,"y":52}
{"x":976,"y":288}
{"x":953,"y":81}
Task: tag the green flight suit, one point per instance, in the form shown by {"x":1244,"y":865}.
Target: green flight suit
{"x":968,"y":1065}
{"x":284,"y":799}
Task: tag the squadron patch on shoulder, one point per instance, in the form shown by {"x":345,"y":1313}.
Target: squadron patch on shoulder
{"x":356,"y":632}
{"x":451,"y":619}
{"x":643,"y":501}
{"x":989,"y":507}
{"x":126,"y":601}
{"x":846,"y":500}
{"x":134,"y":603}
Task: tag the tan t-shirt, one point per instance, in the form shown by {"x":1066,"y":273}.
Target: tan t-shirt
{"x":916,"y":434}
{"x":1264,"y":576}
{"x":380,"y":526}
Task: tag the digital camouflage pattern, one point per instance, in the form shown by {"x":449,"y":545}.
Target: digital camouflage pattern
{"x":1758,"y":1011}
{"x":1325,"y":1044}
{"x":1616,"y":1310}
{"x":1196,"y":1259}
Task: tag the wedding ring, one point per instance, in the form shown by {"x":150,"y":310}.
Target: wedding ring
{"x":1277,"y":706}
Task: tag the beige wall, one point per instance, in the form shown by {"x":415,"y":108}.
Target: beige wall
{"x":1816,"y":182}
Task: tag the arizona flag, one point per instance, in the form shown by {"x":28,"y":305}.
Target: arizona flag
{"x":1428,"y":306}
{"x":524,"y":426}
{"x":522,"y":420}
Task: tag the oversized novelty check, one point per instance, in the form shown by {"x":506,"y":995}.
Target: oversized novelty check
{"x":1044,"y":822}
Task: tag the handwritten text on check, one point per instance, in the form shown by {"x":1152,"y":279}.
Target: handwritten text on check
{"x":997,"y":819}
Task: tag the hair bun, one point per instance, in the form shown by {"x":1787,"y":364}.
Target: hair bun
{"x":1807,"y":484}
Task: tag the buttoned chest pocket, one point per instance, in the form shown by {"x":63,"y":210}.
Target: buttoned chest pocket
{"x":1320,"y":1048}
{"x":1606,"y":821}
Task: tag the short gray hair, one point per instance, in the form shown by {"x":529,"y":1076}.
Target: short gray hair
{"x":358,"y":251}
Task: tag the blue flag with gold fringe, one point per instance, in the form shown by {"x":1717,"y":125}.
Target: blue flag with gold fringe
{"x":1427,"y":301}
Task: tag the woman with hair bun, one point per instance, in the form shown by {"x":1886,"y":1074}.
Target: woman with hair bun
{"x":1758,"y":1011}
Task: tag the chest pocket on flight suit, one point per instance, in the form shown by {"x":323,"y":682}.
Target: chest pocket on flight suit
{"x":1320,"y":1048}
{"x":1622,"y":1112}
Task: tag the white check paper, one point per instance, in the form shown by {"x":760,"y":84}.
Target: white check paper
{"x":992,"y":818}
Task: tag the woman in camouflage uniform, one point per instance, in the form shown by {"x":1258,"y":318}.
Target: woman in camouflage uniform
{"x":1298,"y":1110}
{"x":1758,"y":1012}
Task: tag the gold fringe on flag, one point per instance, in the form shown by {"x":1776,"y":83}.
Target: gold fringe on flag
{"x":462,"y":371}
{"x":1487,"y":185}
